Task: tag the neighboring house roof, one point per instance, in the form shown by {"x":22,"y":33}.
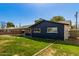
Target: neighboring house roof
{"x":11,"y":28}
{"x":49,"y":22}
{"x":26,"y":26}
{"x":65,"y":22}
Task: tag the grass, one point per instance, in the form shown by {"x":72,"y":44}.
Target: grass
{"x":60,"y":48}
{"x":21,"y":46}
{"x":27,"y":46}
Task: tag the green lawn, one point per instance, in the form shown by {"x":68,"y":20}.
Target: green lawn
{"x":20,"y":46}
{"x":27,"y":46}
{"x":60,"y":48}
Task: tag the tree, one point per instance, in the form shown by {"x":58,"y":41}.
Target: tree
{"x":57,"y":18}
{"x":10,"y":24}
{"x":39,"y":20}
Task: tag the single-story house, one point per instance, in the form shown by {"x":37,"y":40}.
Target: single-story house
{"x":43,"y":29}
{"x":49,"y":30}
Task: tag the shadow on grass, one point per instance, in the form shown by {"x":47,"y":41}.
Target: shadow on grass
{"x":51,"y":41}
{"x":65,"y":43}
{"x":39,"y":39}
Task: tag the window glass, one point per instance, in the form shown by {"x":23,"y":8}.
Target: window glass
{"x":37,"y":30}
{"x":52,"y":30}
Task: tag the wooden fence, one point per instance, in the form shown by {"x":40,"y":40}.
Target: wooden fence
{"x":74,"y":33}
{"x":14,"y":31}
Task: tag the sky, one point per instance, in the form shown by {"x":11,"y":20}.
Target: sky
{"x":27,"y":13}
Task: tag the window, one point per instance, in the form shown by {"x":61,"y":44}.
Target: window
{"x":28,"y":30}
{"x":37,"y":30}
{"x":52,"y":30}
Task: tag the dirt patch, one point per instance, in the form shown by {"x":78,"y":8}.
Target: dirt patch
{"x":2,"y":42}
{"x":5,"y":36}
{"x":16,"y":55}
{"x":47,"y":52}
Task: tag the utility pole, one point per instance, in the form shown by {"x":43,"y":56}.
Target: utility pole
{"x":19,"y":24}
{"x":76,"y":16}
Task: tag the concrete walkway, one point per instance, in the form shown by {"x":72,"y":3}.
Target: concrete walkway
{"x":42,"y":49}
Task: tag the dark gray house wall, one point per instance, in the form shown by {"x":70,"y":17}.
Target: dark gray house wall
{"x":43,"y":26}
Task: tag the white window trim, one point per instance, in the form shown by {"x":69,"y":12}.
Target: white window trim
{"x":53,"y":31}
{"x":37,"y":31}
